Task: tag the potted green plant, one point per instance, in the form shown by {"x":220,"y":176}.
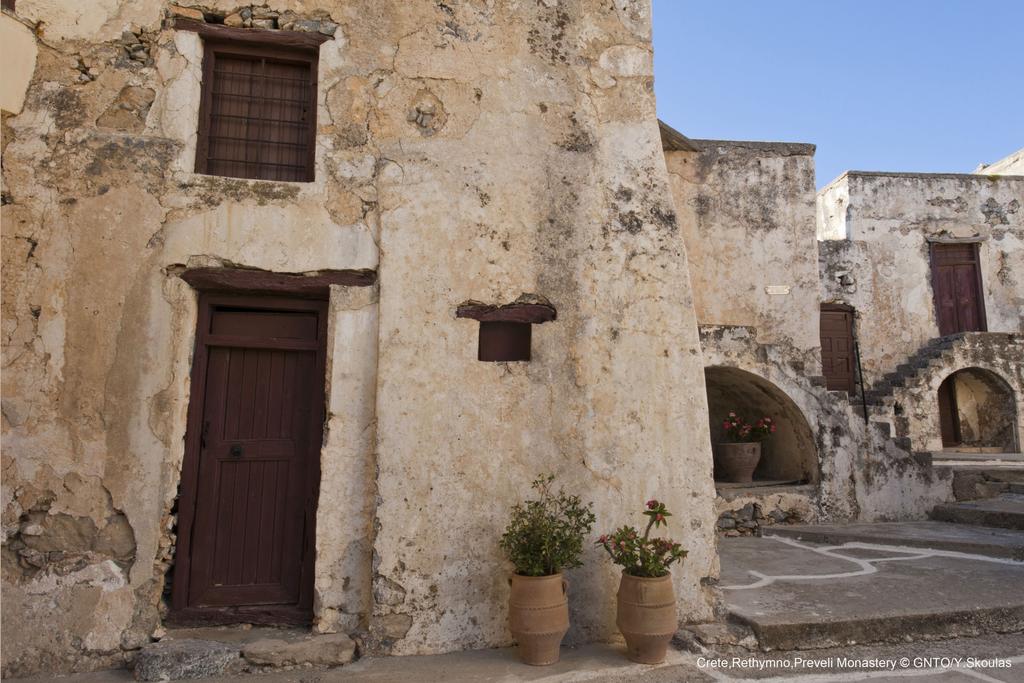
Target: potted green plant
{"x":736,"y":458}
{"x":544,"y":537}
{"x":646,"y":600}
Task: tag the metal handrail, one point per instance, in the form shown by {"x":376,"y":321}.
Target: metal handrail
{"x":860,"y":379}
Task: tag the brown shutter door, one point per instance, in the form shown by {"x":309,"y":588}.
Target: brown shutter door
{"x":949,"y":414}
{"x":258,"y":462}
{"x":837,"y":353}
{"x":956,"y":285}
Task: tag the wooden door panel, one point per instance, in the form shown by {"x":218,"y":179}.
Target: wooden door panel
{"x":945,"y":300}
{"x":949,"y":414}
{"x":956,"y":285}
{"x":965,"y":282}
{"x":258,"y":463}
{"x":240,"y":496}
{"x":837,"y":361}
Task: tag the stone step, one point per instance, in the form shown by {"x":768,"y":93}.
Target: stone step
{"x":954,"y":457}
{"x":798,"y":595}
{"x":173,"y":660}
{"x":1005,"y":511}
{"x":961,"y":538}
{"x":191,"y":653}
{"x":812,"y":633}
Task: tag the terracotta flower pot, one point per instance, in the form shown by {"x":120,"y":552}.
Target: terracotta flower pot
{"x":538,"y":615}
{"x":736,"y":462}
{"x":647,"y":616}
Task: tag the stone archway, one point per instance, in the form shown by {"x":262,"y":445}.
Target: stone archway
{"x":977,"y":411}
{"x":790,"y":455}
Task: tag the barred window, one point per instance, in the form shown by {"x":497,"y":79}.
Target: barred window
{"x":257,"y":116}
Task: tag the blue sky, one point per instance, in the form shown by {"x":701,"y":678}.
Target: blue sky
{"x":877,"y":85}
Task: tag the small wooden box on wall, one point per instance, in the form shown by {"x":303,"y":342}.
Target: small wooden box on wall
{"x":506,"y":330}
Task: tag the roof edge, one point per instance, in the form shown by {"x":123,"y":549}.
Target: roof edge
{"x":784,"y":148}
{"x":954,"y":176}
{"x":674,"y":141}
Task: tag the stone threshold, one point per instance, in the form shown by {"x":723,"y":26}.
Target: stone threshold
{"x":189,"y":653}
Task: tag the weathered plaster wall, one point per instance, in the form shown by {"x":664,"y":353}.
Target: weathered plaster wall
{"x":552,"y":183}
{"x":986,"y":410}
{"x":1012,"y":164}
{"x":18,"y":55}
{"x":101,"y":212}
{"x":751,"y":240}
{"x":540,"y":170}
{"x":831,"y":205}
{"x":882,"y":269}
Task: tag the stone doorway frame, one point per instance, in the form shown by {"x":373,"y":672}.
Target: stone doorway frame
{"x":342,"y":590}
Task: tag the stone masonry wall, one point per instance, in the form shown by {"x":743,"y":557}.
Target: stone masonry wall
{"x":875,"y":256}
{"x":751,"y":238}
{"x":464,"y":150}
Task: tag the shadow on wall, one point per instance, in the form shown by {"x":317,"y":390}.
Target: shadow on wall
{"x":788,"y":455}
{"x":977,"y":410}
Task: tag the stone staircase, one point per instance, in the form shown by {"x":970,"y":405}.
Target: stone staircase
{"x":939,"y":355}
{"x":920,"y":362}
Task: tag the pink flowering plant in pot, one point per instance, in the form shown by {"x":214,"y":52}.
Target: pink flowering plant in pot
{"x":737,"y":456}
{"x":642,"y":555}
{"x":738,"y":430}
{"x":646,"y":599}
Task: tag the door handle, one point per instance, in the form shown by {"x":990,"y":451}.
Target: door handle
{"x":236,"y":450}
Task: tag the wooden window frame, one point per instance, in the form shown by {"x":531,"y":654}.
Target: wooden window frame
{"x":214,"y":46}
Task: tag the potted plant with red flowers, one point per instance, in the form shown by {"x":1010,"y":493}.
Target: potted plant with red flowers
{"x":736,"y":458}
{"x":646,"y":600}
{"x":543,"y":537}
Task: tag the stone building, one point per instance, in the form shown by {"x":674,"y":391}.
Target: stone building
{"x":790,"y":284}
{"x":299,"y":298}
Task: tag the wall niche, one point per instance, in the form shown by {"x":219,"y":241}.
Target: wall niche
{"x":506,"y":330}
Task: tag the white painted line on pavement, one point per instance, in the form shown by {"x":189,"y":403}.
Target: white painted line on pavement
{"x":866,"y":565}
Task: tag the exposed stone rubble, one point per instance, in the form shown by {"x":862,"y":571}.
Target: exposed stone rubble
{"x":258,"y":16}
{"x":173,"y":660}
{"x":978,"y":483}
{"x":748,"y":520}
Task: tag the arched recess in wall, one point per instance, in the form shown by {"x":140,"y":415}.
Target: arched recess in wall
{"x":789,"y":455}
{"x":977,"y":411}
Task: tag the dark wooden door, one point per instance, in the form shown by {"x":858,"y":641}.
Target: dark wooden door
{"x":838,"y":362}
{"x":250,"y":486}
{"x":956,"y":281}
{"x":949,"y":414}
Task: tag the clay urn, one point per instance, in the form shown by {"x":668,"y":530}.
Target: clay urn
{"x":736,"y":462}
{"x":538,"y":614}
{"x":647,"y":616}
